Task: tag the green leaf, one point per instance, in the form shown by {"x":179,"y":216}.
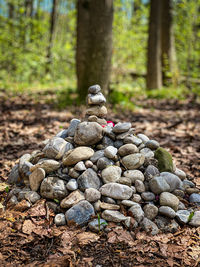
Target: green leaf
{"x":56,"y":200}
{"x":190,"y":216}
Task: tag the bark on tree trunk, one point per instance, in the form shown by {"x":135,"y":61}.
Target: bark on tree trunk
{"x":94,"y":44}
{"x":169,"y":66}
{"x":154,"y":71}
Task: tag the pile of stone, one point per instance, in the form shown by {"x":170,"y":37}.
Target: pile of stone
{"x":95,"y":168}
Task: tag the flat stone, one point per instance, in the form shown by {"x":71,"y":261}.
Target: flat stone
{"x":88,"y":133}
{"x":35,"y":178}
{"x":111,"y":174}
{"x":14,"y":177}
{"x":98,"y":120}
{"x":167,"y":211}
{"x":94,"y":89}
{"x":190,"y":191}
{"x":97,"y":155}
{"x":125,"y":180}
{"x":195,"y":221}
{"x":56,"y":147}
{"x":63,"y":133}
{"x":149,"y":226}
{"x":73,"y":126}
{"x":72,"y":199}
{"x":97,"y":99}
{"x":147,"y":152}
{"x":60,"y":219}
{"x":150,"y":211}
{"x":116,"y":191}
{"x":103,"y":163}
{"x":99,"y":111}
{"x":77,"y":154}
{"x":121,"y":127}
{"x":107,"y":206}
{"x":113,"y":216}
{"x":32,"y":196}
{"x":122,"y":136}
{"x":133,"y":161}
{"x":127,"y":149}
{"x":88,"y":179}
{"x":72,"y":185}
{"x":48,"y":165}
{"x":152,"y":144}
{"x":92,"y":194}
{"x":96,"y":225}
{"x":132,"y":140}
{"x":80,"y":213}
{"x":136,"y":212}
{"x":158,"y":185}
{"x":181,"y":174}
{"x":53,"y":188}
{"x":194,"y":198}
{"x":110,"y":152}
{"x":134,"y":175}
{"x":173,"y":181}
{"x":128,"y":203}
{"x":166,"y":225}
{"x":182,"y":216}
{"x":170,"y":200}
{"x":139,"y":186}
{"x":148,"y":196}
{"x":108,"y":200}
{"x":143,"y":137}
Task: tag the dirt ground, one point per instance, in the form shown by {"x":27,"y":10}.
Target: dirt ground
{"x":29,"y":238}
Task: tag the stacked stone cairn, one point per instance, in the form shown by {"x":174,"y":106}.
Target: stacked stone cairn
{"x":94,"y":169}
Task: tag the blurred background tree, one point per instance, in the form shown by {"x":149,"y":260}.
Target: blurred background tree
{"x":68,"y":45}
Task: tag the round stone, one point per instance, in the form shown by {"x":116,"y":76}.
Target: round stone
{"x":97,"y":155}
{"x":94,"y":89}
{"x":152,"y":144}
{"x":136,"y":212}
{"x":77,"y":154}
{"x":134,"y":175}
{"x":132,"y":140}
{"x":121,"y":127}
{"x":181,"y":174}
{"x":99,"y":111}
{"x":103,"y":163}
{"x":133,"y":161}
{"x":111,"y":174}
{"x":150,"y":211}
{"x":72,"y":185}
{"x":170,"y":200}
{"x":182,"y":216}
{"x":92,"y":194}
{"x":48,"y":165}
{"x":149,"y":226}
{"x":60,"y":219}
{"x":139,"y":185}
{"x":148,"y":196}
{"x":32,"y":196}
{"x":116,"y":191}
{"x":53,"y":188}
{"x":194,"y":198}
{"x":143,"y":137}
{"x":136,"y":198}
{"x":96,"y":99}
{"x":173,"y":181}
{"x":167,"y":211}
{"x":110,"y":152}
{"x":80,"y":166}
{"x":127,"y":149}
{"x":88,"y":179}
{"x":113,"y":216}
{"x":158,"y":185}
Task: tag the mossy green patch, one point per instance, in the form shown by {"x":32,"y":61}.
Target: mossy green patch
{"x":164,"y":158}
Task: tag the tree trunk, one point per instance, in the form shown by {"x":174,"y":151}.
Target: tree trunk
{"x":169,"y":66}
{"x":10,"y":10}
{"x":51,"y":33}
{"x":94,"y":44}
{"x":154,"y":71}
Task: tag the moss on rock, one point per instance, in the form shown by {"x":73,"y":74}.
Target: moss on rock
{"x":165,"y":163}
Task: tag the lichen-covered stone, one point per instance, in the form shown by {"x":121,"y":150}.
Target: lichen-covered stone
{"x":165,"y":163}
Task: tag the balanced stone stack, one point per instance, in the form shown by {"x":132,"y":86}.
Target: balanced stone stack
{"x":94,"y":168}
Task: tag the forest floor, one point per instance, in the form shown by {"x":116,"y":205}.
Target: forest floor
{"x":29,"y":238}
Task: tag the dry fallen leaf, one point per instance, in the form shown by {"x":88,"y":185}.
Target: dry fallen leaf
{"x":87,"y":237}
{"x":28,"y":227}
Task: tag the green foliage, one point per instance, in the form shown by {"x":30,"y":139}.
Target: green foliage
{"x":190,"y":216}
{"x":99,"y":222}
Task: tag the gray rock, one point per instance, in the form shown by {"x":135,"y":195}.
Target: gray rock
{"x":149,"y":226}
{"x":88,"y":133}
{"x":13,"y":201}
{"x":170,"y":200}
{"x":109,"y":200}
{"x":56,"y":147}
{"x":110,"y":152}
{"x":122,"y":136}
{"x":116,"y":191}
{"x":48,"y":165}
{"x":195,"y":221}
{"x":99,"y":111}
{"x":187,"y":183}
{"x":80,"y":213}
{"x":63,"y":134}
{"x":121,"y":127}
{"x":94,"y":89}
{"x":133,"y":161}
{"x":136,"y":198}
{"x":134,"y":175}
{"x":60,"y":219}
{"x":77,"y":154}
{"x":113,"y":216}
{"x":128,"y":203}
{"x":72,"y":199}
{"x":148,"y":196}
{"x":103,"y":163}
{"x":72,"y":185}
{"x":150,"y":172}
{"x":136,"y":212}
{"x":108,"y":206}
{"x":147,"y":152}
{"x":132,"y":140}
{"x":88,"y":179}
{"x":35,"y":178}
{"x":72,"y":127}
{"x":179,"y":193}
{"x":152,"y":144}
{"x":23,"y":159}
{"x":181,"y":174}
{"x":173,"y":181}
{"x":73,"y":173}
{"x":14,"y":177}
{"x":32,"y":196}
{"x":167,"y":211}
{"x":181,"y":206}
{"x":96,"y":99}
{"x":92,"y":194}
{"x":118,"y":143}
{"x":143,"y":137}
{"x":21,"y":195}
{"x":150,"y":211}
{"x":127,"y":149}
{"x":25,"y":170}
{"x":97,"y":205}
{"x":80,"y":166}
{"x":182,"y":216}
{"x":166,"y":225}
{"x":125,"y":180}
{"x":89,"y":164}
{"x":97,"y":155}
{"x":53,"y":206}
{"x":53,"y":188}
{"x":158,"y":185}
{"x":139,"y":186}
{"x":96,"y":225}
{"x":111,"y":174}
{"x":107,"y":141}
{"x":130,"y":223}
{"x":195,"y":198}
